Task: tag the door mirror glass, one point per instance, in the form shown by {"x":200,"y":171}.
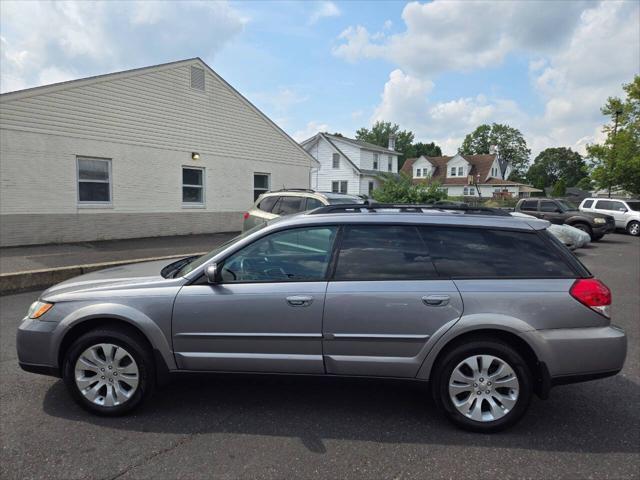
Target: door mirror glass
{"x":211,"y":272}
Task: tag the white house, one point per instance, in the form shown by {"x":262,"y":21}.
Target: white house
{"x":467,"y":175}
{"x":348,"y":165}
{"x":164,"y":150}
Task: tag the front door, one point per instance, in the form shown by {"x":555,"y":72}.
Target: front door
{"x":265,"y":314}
{"x":550,"y":211}
{"x":384,"y":303}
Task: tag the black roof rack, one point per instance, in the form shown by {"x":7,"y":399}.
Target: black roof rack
{"x":371,"y":207}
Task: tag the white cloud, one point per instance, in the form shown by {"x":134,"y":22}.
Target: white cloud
{"x":310,"y":130}
{"x":43,"y":39}
{"x":324,"y":10}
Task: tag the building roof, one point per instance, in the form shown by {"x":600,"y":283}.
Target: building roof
{"x":480,"y":164}
{"x":357,"y":143}
{"x":28,"y":92}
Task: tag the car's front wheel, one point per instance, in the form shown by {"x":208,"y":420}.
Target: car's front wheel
{"x":483,"y":386}
{"x":109,"y":371}
{"x":633,"y":229}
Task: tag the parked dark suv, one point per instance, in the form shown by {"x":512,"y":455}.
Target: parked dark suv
{"x":562,"y":212}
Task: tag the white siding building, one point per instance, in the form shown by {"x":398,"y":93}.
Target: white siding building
{"x":348,"y":165}
{"x":163,"y":150}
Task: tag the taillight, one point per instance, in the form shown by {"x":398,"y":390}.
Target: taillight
{"x":245,"y":215}
{"x":592,"y":293}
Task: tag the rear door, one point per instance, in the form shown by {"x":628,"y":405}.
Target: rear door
{"x":384,"y":303}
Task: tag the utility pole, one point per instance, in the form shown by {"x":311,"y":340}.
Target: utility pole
{"x":613,"y":148}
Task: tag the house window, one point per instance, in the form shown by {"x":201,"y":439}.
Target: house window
{"x":375,"y":161}
{"x":336,"y":160}
{"x":418,"y":172}
{"x":465,"y":191}
{"x":390,"y":163}
{"x":460,"y":171}
{"x":453,"y":172}
{"x":94,"y":180}
{"x":371,"y":186}
{"x":339,"y":186}
{"x":260,"y":184}
{"x":192,"y":186}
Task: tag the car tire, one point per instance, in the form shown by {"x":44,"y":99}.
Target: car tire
{"x":507,"y":377}
{"x":587,"y":229}
{"x":92,"y":364}
{"x":633,"y":228}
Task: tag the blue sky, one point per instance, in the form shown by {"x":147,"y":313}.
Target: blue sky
{"x":436,"y":68}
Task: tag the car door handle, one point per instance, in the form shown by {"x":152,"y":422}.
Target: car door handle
{"x":436,"y":300}
{"x":299,"y":301}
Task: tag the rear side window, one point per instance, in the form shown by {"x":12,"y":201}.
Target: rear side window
{"x":266,"y":205}
{"x":529,"y":205}
{"x":482,"y":253}
{"x":383,"y":252}
{"x":289,"y":205}
{"x":587,"y":204}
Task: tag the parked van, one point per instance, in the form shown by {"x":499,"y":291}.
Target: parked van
{"x":625,"y":212}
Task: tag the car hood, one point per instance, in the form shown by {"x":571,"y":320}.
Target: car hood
{"x":135,"y":275}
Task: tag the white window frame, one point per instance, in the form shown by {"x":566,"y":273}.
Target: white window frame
{"x":390,"y":163}
{"x":335,"y":160}
{"x":340,"y":183}
{"x":452,"y":172}
{"x":461,"y":171}
{"x":93,"y":203}
{"x":418,"y":172}
{"x":203,"y":187}
{"x":376,"y":158}
{"x":261,"y":190}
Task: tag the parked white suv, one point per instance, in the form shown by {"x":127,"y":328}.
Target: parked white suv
{"x":625,"y":212}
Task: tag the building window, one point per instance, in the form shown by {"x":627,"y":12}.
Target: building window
{"x":453,"y":172}
{"x":339,"y":186}
{"x":336,"y":160}
{"x":94,"y":180}
{"x":261,"y":183}
{"x":375,"y":161}
{"x":418,"y":172}
{"x":193,"y":186}
{"x":371,"y":186}
{"x":390,"y":163}
{"x":460,"y":171}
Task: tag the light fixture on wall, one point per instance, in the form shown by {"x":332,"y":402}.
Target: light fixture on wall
{"x":195,"y":156}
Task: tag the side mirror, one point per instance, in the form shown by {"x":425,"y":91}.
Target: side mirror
{"x":211,"y":272}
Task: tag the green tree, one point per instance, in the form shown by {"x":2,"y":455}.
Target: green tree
{"x":426,"y":149}
{"x":617,"y":160}
{"x":400,"y":189}
{"x":509,"y":140}
{"x":552,"y":164}
{"x":379,"y":135}
{"x":559,"y":188}
{"x":585,"y":184}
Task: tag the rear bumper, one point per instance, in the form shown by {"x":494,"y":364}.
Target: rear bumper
{"x":580,"y":354}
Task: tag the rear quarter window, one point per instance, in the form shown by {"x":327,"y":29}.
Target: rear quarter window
{"x":484,"y":253}
{"x":266,"y":204}
{"x":587,"y":204}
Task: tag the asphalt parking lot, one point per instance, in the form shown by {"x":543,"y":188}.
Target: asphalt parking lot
{"x":295,"y":427}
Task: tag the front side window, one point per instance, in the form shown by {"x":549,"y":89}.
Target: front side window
{"x":339,"y":186}
{"x":482,"y":253}
{"x":313,"y":203}
{"x":193,"y":185}
{"x":336,"y":160}
{"x":94,"y":180}
{"x":635,"y":206}
{"x":297,"y":255}
{"x":375,"y":161}
{"x":260,"y":184}
{"x":289,"y":205}
{"x":547,"y":206}
{"x":383,"y":252}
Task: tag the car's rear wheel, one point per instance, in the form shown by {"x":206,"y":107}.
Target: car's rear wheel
{"x":483,"y":386}
{"x":109,"y":372}
{"x":633,"y":229}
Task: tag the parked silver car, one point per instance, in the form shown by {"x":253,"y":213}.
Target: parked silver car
{"x":274,"y":204}
{"x":488,"y":308}
{"x":625,"y":212}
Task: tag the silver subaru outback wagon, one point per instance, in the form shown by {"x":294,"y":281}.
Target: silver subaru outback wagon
{"x":489,"y":309}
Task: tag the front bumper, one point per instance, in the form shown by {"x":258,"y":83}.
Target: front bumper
{"x":33,"y":343}
{"x":579,"y":354}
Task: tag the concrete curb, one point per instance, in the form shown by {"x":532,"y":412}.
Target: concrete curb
{"x":15,"y":282}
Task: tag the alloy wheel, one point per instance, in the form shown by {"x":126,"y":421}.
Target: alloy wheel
{"x":634,"y":229}
{"x":106,"y":374}
{"x":484,"y":388}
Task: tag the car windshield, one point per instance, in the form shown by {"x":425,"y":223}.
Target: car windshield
{"x":635,"y":206}
{"x":197,"y":261}
{"x":567,"y":205}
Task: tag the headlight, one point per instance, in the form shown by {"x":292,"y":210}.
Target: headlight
{"x":599,"y":220}
{"x":38,"y":308}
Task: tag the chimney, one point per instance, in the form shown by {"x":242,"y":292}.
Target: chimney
{"x":392,"y":142}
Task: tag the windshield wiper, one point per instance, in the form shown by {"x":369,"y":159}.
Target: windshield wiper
{"x":172,"y":269}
